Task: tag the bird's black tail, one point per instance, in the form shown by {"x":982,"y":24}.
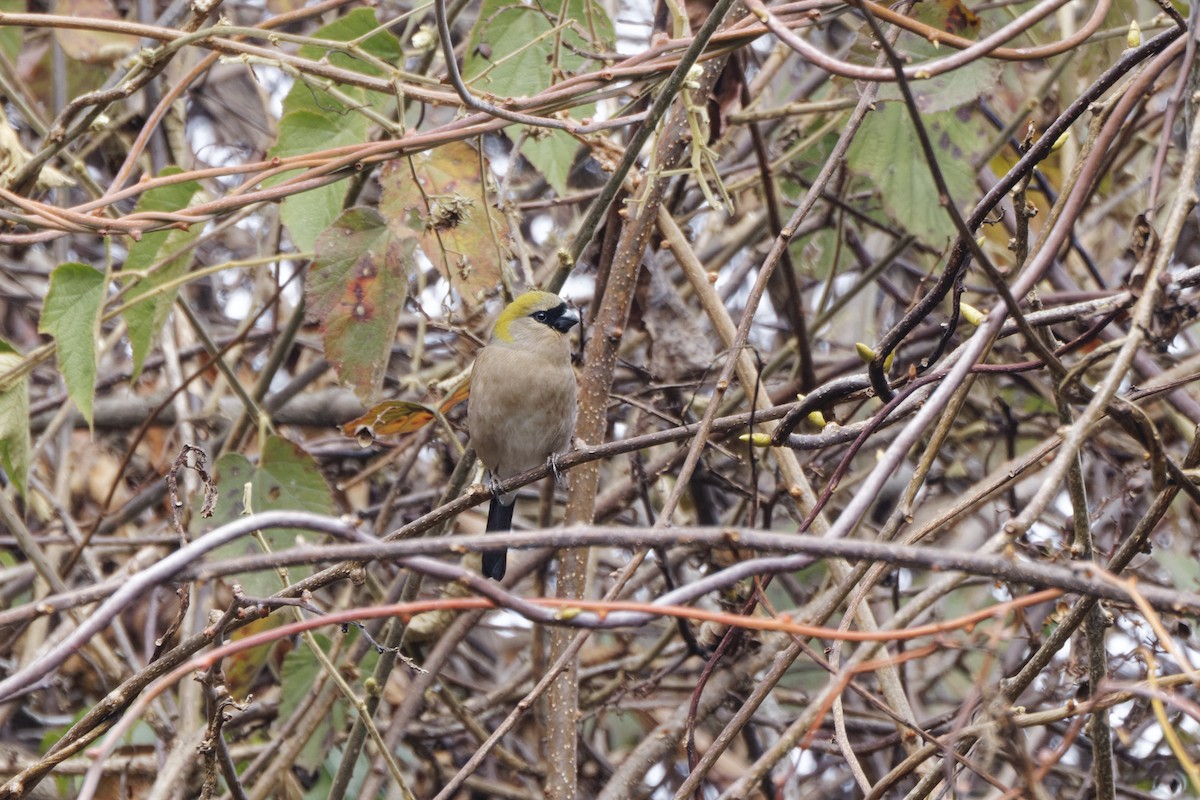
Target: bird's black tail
{"x":500,"y":518}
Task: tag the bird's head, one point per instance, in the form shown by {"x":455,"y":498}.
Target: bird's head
{"x":534,"y":318}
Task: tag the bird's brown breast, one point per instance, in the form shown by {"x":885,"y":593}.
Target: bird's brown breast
{"x":521,"y":409}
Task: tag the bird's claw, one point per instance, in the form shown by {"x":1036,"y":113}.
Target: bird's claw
{"x":493,"y":485}
{"x":555,"y":470}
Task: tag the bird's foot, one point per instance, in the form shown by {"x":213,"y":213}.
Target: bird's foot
{"x":555,"y":469}
{"x":493,"y":485}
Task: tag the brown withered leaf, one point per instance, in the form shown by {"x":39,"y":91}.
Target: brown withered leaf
{"x":440,"y":197}
{"x":396,"y":417}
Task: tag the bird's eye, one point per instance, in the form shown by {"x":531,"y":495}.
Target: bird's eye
{"x":541,"y":316}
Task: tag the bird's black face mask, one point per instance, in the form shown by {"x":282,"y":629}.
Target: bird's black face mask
{"x":561,"y":318}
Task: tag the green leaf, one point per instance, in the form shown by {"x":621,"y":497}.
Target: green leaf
{"x":950,"y":89}
{"x":511,"y":49}
{"x":300,"y":132}
{"x":288,"y":478}
{"x":285,"y":479}
{"x":1175,"y":561}
{"x":10,"y":35}
{"x":14,"y":422}
{"x":887,"y":152}
{"x":806,"y":163}
{"x":511,"y":53}
{"x":553,"y":153}
{"x":356,"y":289}
{"x":300,"y":671}
{"x":71,"y":315}
{"x":505,"y":56}
{"x":355,"y":25}
{"x":147,"y":318}
{"x":314,"y":120}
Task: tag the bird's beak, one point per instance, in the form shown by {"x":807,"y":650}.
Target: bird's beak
{"x":566,"y":320}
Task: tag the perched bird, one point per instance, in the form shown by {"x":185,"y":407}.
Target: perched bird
{"x":521,"y":409}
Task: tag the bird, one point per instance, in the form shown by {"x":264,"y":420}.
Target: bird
{"x":522,"y":403}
